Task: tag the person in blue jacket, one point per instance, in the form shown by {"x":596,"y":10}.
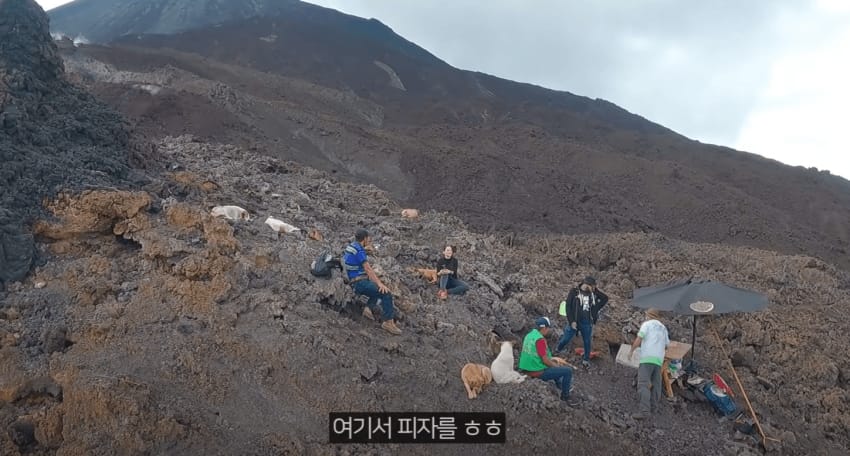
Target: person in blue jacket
{"x":365,"y":282}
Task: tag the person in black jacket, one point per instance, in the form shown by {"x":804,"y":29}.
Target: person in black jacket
{"x":582,"y":311}
{"x":447,"y":272}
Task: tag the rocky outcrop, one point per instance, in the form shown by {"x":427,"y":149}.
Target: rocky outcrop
{"x":52,"y":135}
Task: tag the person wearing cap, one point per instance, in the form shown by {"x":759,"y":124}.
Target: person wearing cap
{"x":653,"y":339}
{"x":364,"y":281}
{"x":581,"y":308}
{"x":535,"y":360}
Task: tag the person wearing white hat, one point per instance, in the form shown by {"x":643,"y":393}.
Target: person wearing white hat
{"x":653,"y":339}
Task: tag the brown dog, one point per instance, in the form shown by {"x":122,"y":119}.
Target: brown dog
{"x":315,"y":235}
{"x":428,"y":274}
{"x":475,"y":377}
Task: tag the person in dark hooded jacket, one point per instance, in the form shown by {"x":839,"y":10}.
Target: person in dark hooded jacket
{"x":581,"y":308}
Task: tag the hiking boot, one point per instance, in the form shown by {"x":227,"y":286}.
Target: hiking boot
{"x":442,"y":294}
{"x":390,"y":327}
{"x":585,"y":364}
{"x":367,"y":313}
{"x":571,"y":401}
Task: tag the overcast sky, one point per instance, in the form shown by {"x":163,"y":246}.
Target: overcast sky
{"x":768,"y":77}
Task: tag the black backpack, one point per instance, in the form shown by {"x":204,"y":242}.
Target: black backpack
{"x":324,"y":265}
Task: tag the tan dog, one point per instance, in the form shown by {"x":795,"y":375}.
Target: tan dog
{"x":475,"y":377}
{"x":428,"y":274}
{"x":315,"y":235}
{"x":410,"y":213}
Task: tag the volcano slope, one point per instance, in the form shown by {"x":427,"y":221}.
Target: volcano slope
{"x":154,"y":328}
{"x":348,"y":95}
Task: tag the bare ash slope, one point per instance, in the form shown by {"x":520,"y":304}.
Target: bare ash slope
{"x":373,"y":107}
{"x":159,"y":329}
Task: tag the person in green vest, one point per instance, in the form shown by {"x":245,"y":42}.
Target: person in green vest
{"x":536,"y":360}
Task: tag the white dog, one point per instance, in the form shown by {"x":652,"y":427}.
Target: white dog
{"x":410,"y":213}
{"x":502,"y":367}
{"x":230,"y":212}
{"x":280,"y":225}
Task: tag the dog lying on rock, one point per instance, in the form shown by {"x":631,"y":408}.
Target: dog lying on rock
{"x":475,"y":377}
{"x":280,"y":225}
{"x":230,"y":212}
{"x":428,"y":274}
{"x":410,"y":213}
{"x":502,"y":367}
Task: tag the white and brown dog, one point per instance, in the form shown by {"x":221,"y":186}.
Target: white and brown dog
{"x":475,"y":377}
{"x":502,"y":367}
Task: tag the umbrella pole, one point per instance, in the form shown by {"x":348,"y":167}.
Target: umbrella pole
{"x":694,"y":340}
{"x":693,"y":344}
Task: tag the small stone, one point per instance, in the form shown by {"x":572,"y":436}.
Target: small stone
{"x":55,"y":340}
{"x":22,"y":434}
{"x":443,"y":326}
{"x":765,"y":382}
{"x":743,"y":357}
{"x":40,"y":285}
{"x":391,"y":347}
{"x":788,"y":438}
{"x":13,"y":313}
{"x":266,"y":370}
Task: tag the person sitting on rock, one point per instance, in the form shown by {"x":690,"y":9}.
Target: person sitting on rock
{"x":365,"y":282}
{"x":653,"y":339}
{"x":447,"y":273}
{"x":535,"y":360}
{"x":582,"y":311}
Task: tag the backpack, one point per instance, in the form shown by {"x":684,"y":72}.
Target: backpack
{"x":324,"y":265}
{"x":722,"y":403}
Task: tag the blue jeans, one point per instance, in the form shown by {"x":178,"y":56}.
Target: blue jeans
{"x":452,"y":285}
{"x":368,"y":288}
{"x":562,"y":376}
{"x":585,"y":327}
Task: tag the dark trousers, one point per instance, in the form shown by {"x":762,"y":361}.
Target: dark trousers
{"x":562,"y":376}
{"x":452,"y":285}
{"x":370,"y":289}
{"x":585,"y":327}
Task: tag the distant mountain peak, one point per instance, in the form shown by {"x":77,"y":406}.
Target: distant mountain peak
{"x":102,"y":21}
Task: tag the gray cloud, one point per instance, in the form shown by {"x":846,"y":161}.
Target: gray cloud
{"x":696,"y":67}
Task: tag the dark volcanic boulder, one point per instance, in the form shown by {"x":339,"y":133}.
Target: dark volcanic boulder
{"x":53,"y":136}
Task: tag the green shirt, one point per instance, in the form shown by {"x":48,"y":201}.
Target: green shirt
{"x":529,"y":360}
